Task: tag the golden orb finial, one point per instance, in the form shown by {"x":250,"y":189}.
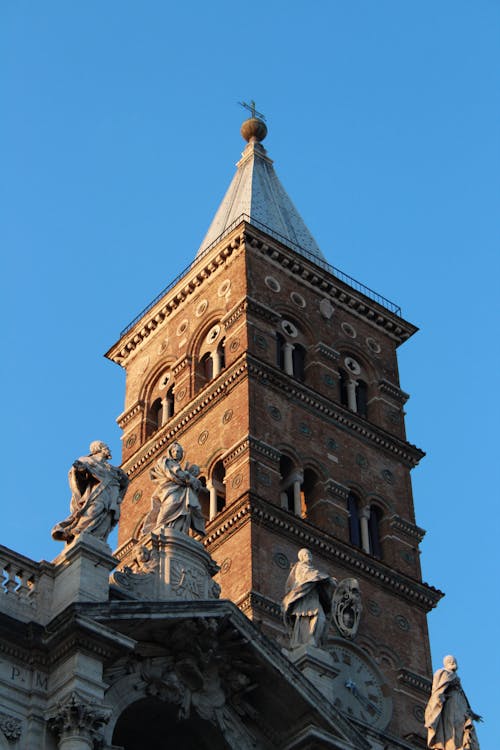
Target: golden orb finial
{"x":254,"y":129}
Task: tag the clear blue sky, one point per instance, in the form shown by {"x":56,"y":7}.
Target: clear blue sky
{"x":119,"y":134}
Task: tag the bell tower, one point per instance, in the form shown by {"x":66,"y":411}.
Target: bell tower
{"x":278,"y":375}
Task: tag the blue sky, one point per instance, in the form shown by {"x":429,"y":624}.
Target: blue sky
{"x":119,"y":134}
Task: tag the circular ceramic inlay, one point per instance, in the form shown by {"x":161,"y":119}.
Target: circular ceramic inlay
{"x":281,"y":560}
{"x":274,"y":412}
{"x":298,"y":299}
{"x":182,"y":394}
{"x":234,"y":345}
{"x":260,"y":341}
{"x":331,"y":444}
{"x":131,"y":441}
{"x":387,"y":476}
{"x":402,"y":623}
{"x":264,"y":478}
{"x":237,"y":480}
{"x":213,"y":334}
{"x":137,"y":496}
{"x":373,"y":345}
{"x":362,"y":460}
{"x":352,"y":365}
{"x":225,"y":566}
{"x":227,"y":416}
{"x":349,"y":330}
{"x":224,"y":288}
{"x":201,"y":308}
{"x":272,"y":283}
{"x":374,"y":607}
{"x":289,"y":328}
{"x":202,"y":437}
{"x":182,"y":327}
{"x":305,"y":429}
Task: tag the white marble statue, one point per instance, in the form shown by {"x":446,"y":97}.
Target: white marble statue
{"x":307,"y":603}
{"x":175,"y":503}
{"x":97,"y":490}
{"x":448,"y":715}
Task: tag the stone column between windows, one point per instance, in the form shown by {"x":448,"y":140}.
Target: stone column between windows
{"x":351,"y":394}
{"x":297,"y":505}
{"x":165,"y":416}
{"x":213,"y":501}
{"x":288,"y":357}
{"x":364,"y":517}
{"x":217,"y":362}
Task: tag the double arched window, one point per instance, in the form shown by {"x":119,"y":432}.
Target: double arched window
{"x":364,"y":525}
{"x":211,"y":356}
{"x":290,"y":352}
{"x":162,"y":404}
{"x":353,"y":388}
{"x":297,"y":487}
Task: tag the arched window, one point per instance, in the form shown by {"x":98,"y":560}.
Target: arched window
{"x":353,"y":506}
{"x":292,"y":479}
{"x":217,"y":489}
{"x":353,"y":391}
{"x":290,"y":355}
{"x":362,"y":399}
{"x":211,"y":356}
{"x":374,"y":531}
{"x":308,"y":491}
{"x":155,"y":416}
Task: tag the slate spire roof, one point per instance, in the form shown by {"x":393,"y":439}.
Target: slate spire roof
{"x":257,"y":195}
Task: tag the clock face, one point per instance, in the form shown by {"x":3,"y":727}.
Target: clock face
{"x":359,"y":690}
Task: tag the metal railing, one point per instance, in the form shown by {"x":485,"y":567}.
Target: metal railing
{"x":336,"y":272}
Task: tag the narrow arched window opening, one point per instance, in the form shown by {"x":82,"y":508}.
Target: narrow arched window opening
{"x":374,"y":531}
{"x":354,"y":520}
{"x":217,"y":489}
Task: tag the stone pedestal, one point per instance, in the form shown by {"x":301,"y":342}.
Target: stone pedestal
{"x":317,"y":665}
{"x":168,"y":565}
{"x":82,"y":572}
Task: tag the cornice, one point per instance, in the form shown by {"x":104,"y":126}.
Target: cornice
{"x":126,"y":416}
{"x":408,"y":528}
{"x":253,"y":600}
{"x":193,"y":278}
{"x":416,"y":681}
{"x":315,"y":276}
{"x":262,"y":311}
{"x":303,"y":532}
{"x":392,"y":390}
{"x":327,"y":352}
{"x":250,"y":443}
{"x":406,"y":452}
{"x":337,"y":490}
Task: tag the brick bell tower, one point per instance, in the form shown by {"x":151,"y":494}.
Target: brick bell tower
{"x":278,"y":375}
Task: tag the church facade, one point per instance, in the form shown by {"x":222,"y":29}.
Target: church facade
{"x":277,"y":375}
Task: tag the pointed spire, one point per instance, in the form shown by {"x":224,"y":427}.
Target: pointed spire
{"x":257,"y":195}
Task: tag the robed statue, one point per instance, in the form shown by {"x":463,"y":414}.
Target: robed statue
{"x":307,"y":604}
{"x":448,"y":715}
{"x":97,"y":490}
{"x":175,"y":503}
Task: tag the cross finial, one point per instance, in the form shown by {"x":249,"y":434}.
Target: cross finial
{"x":252,"y":110}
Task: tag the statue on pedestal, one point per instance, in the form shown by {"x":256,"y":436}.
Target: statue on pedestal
{"x":448,"y":715}
{"x":307,"y":603}
{"x":175,"y":503}
{"x":97,"y":490}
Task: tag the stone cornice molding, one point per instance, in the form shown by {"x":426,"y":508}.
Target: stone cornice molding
{"x":254,"y":307}
{"x":409,"y":454}
{"x":389,"y":389}
{"x":181,"y":365}
{"x":327,"y":352}
{"x":416,"y":681}
{"x":344,"y":295}
{"x":408,"y":528}
{"x":235,"y":314}
{"x":201,"y":270}
{"x":128,"y":415}
{"x":254,"y":445}
{"x":300,"y":531}
{"x":253,"y":600}
{"x":337,"y":490}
